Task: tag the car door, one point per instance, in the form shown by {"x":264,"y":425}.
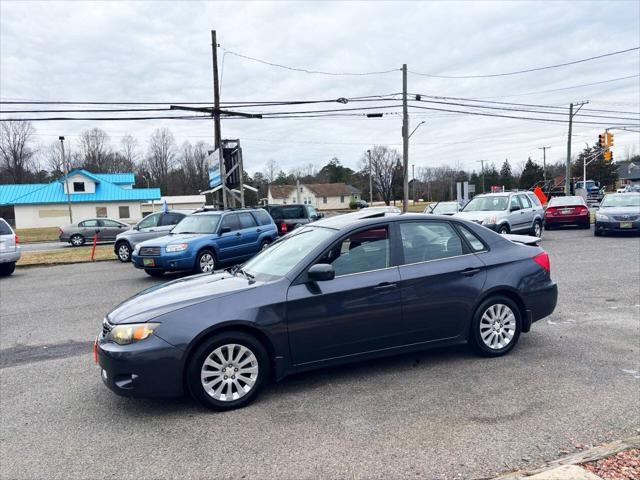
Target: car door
{"x":146,"y":229}
{"x":89,"y":228}
{"x":516,"y":214}
{"x":440,"y":280}
{"x":110,"y":228}
{"x":249,"y":234}
{"x":229,"y":244}
{"x":527,"y":211}
{"x":356,"y":312}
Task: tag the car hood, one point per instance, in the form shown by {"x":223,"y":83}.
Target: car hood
{"x":479,"y":216}
{"x":167,"y":297}
{"x":163,"y":241}
{"x":619,"y":210}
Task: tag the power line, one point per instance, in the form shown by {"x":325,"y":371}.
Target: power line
{"x":48,"y":119}
{"x":529,"y":70}
{"x":119,"y":110}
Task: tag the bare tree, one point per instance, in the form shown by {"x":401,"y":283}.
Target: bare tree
{"x":52,"y":159}
{"x":271,"y":170}
{"x":16,"y":154}
{"x":385,"y":167}
{"x":129,"y":149}
{"x":161,"y":156}
{"x":95,"y":149}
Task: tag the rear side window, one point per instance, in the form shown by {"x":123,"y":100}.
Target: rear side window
{"x":171,"y":218}
{"x":534,"y":199}
{"x":246,"y":220}
{"x":231,"y":222}
{"x":4,"y":228}
{"x":262,"y":217}
{"x":425,"y":241}
{"x":474,"y":242}
{"x":524,"y":200}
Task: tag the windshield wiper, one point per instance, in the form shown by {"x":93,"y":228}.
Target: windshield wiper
{"x":246,"y":274}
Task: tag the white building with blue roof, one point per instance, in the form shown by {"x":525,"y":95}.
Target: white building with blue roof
{"x":92,"y":195}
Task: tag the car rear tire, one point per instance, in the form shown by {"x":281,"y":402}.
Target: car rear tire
{"x":76,"y":240}
{"x":227,"y":371}
{"x":154,"y":273}
{"x":536,"y":231}
{"x":547,"y":227}
{"x":596,"y":232}
{"x":265,"y":244}
{"x":586,"y":226}
{"x":124,"y":252}
{"x":7,"y":269}
{"x":495,"y":327}
{"x":205,"y":262}
{"x":503,"y":229}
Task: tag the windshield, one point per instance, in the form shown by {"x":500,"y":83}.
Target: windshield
{"x":197,"y":224}
{"x":590,"y":183}
{"x":560,"y":201}
{"x":445,"y":207}
{"x":280,"y":258}
{"x":621,"y":201}
{"x":487,"y":204}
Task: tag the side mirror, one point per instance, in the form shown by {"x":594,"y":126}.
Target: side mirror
{"x":514,"y":208}
{"x":321,"y":272}
{"x":225,"y":230}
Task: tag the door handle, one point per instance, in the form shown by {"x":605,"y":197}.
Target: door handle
{"x":385,"y":286}
{"x":258,"y":230}
{"x":238,"y":234}
{"x":469,"y":272}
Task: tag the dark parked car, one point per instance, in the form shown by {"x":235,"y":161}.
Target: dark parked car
{"x":619,"y":212}
{"x":203,"y":241}
{"x":78,"y":233}
{"x":290,"y":217}
{"x":153,"y":225}
{"x":336,"y":291}
{"x":572,"y":210}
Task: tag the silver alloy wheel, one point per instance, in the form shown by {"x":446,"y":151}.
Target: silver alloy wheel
{"x":537,"y":230}
{"x":265,"y":245}
{"x":229,"y":372}
{"x":207,"y":263}
{"x":497,"y":326}
{"x":123,"y":252}
{"x":76,"y":240}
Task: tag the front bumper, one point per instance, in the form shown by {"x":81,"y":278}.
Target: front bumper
{"x":616,"y":226}
{"x":166,"y":262}
{"x":150,"y":368}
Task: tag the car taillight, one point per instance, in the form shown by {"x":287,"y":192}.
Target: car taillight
{"x":583,"y":210}
{"x":542,"y":259}
{"x":551,"y":211}
{"x":283,"y":227}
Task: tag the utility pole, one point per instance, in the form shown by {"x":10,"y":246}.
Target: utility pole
{"x":405,"y":141}
{"x":66,"y":177}
{"x":567,"y":180}
{"x":482,"y":167}
{"x":544,"y":163}
{"x":216,"y":117}
{"x":370,"y":179}
{"x":413,"y":181}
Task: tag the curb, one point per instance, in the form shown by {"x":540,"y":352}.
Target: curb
{"x":561,"y":468}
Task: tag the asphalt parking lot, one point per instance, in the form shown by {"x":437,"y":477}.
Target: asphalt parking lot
{"x":574,"y":379}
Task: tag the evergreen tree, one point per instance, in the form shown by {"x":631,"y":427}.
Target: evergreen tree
{"x":506,"y":176}
{"x":531,"y":174}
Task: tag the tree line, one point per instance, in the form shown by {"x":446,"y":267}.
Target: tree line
{"x":182,"y":169}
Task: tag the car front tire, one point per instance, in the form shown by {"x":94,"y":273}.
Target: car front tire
{"x":536,"y":231}
{"x":265,"y":244}
{"x":76,"y":240}
{"x":228,"y":370}
{"x":496,"y":327}
{"x":124,"y":252}
{"x":205,"y":262}
{"x":7,"y":269}
{"x":503,"y":229}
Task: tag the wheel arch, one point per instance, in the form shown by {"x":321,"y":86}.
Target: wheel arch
{"x":513,"y":295}
{"x":210,"y":248}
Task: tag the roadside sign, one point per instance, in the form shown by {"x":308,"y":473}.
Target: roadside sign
{"x":213,"y":161}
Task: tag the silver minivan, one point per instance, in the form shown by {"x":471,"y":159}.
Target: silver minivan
{"x":506,"y":212}
{"x":9,"y":249}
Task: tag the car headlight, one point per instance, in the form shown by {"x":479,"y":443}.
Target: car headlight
{"x":602,"y":217}
{"x":177,"y":247}
{"x":130,"y":333}
{"x":489,"y":220}
{"x":136,"y":249}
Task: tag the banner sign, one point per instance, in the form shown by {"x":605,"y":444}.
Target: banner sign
{"x":214,"y":169}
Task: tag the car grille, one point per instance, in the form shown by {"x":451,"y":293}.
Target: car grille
{"x":149,"y":251}
{"x":625,"y":218}
{"x":106,"y":327}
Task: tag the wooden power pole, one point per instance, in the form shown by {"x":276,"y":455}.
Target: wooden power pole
{"x":567,"y":180}
{"x":405,"y":141}
{"x":216,"y":117}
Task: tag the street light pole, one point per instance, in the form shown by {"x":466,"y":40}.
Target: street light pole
{"x":544,"y":163}
{"x":370,"y":179}
{"x":413,"y":181}
{"x":66,"y":177}
{"x":482,"y":166}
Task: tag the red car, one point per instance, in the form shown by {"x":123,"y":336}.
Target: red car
{"x":567,"y":211}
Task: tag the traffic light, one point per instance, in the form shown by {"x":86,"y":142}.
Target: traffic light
{"x":609,"y":139}
{"x":608,"y":156}
{"x":602,"y":141}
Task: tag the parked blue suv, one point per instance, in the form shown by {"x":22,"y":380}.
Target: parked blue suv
{"x":203,"y":241}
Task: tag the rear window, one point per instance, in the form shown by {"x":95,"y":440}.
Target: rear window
{"x":5,"y":229}
{"x":560,"y":201}
{"x":534,"y":199}
{"x":287,"y":212}
{"x":474,"y":242}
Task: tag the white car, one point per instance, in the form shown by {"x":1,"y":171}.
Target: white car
{"x":9,"y":249}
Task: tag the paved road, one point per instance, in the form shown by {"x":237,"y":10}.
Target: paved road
{"x":441,"y":414}
{"x":46,"y":246}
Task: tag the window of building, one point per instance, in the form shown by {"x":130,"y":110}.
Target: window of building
{"x":324,"y":199}
{"x":101,"y":212}
{"x":425,"y":241}
{"x":361,"y":252}
{"x":78,"y":186}
{"x":341,"y":198}
{"x":123,"y":212}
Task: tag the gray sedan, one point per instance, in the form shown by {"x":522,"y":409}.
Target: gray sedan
{"x":78,"y":233}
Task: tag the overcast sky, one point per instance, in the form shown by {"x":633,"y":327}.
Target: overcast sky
{"x":161,"y":51}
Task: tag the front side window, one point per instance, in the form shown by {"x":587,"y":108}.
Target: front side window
{"x":425,"y":241}
{"x":515,"y":203}
{"x":360,"y":252}
{"x":101,"y":212}
{"x":150,"y":221}
{"x":197,"y":224}
{"x":231,"y":222}
{"x":78,"y":186}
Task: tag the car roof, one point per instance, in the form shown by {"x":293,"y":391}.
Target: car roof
{"x":353,"y":219}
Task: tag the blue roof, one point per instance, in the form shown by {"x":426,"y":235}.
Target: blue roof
{"x":117,"y":178}
{"x":106,"y":191}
